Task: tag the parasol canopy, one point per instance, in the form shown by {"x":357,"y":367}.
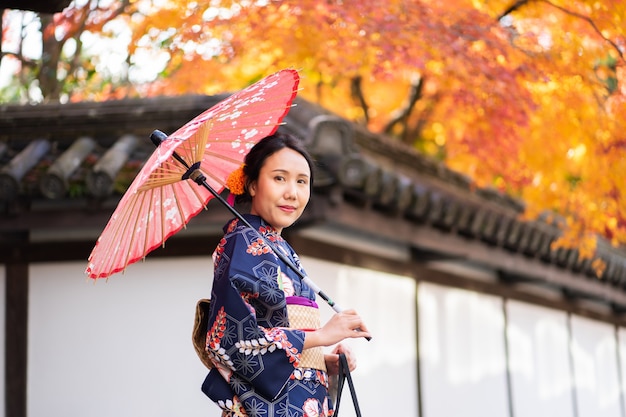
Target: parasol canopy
{"x":164,"y":195}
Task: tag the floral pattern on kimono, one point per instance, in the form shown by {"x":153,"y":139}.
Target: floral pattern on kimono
{"x":255,"y":354}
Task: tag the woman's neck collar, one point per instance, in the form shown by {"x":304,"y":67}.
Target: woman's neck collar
{"x":263,"y":223}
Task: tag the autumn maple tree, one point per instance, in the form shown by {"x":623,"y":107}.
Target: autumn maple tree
{"x":525,"y":96}
{"x":55,"y":66}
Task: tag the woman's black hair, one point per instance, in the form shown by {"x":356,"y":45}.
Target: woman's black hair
{"x":255,"y":159}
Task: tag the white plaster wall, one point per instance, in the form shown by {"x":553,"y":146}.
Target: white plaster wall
{"x":119,"y":348}
{"x":539,"y":361}
{"x":462,"y":353}
{"x":596,"y":368}
{"x":621,"y":356}
{"x":386,"y":374}
{"x":122,"y":348}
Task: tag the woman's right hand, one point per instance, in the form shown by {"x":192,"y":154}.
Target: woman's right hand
{"x":345,"y":325}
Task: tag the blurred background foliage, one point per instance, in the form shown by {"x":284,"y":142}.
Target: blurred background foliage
{"x":524,"y":96}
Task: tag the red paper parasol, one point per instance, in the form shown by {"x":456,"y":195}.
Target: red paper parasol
{"x":164,"y":195}
{"x":188,"y":169}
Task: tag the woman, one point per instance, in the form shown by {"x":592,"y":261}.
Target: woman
{"x":264,"y":363}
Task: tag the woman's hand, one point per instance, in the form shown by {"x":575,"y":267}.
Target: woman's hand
{"x":332,"y":359}
{"x":345,"y":325}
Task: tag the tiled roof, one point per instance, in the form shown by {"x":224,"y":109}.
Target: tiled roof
{"x":85,"y":154}
{"x":81,"y":150}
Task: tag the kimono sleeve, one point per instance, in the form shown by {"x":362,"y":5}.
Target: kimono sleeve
{"x":247,"y":305}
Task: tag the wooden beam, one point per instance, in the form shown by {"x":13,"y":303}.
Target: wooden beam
{"x":453,"y":245}
{"x":77,"y":215}
{"x":99,"y":119}
{"x":16,"y":342}
{"x":60,"y":251}
{"x":423,"y":272}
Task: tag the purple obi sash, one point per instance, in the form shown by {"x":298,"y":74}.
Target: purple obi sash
{"x":300,"y":301}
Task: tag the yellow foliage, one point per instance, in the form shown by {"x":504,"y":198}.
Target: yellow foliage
{"x":533,"y":103}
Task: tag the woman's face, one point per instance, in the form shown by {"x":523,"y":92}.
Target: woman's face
{"x":282,"y":190}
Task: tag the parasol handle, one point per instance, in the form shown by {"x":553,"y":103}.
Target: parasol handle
{"x":157,"y":137}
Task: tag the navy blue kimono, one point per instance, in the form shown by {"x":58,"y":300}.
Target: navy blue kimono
{"x":255,"y":354}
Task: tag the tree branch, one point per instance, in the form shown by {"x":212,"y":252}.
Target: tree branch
{"x":413,"y":132}
{"x":402,"y":114}
{"x":513,"y":8}
{"x":518,"y":4}
{"x":25,"y":61}
{"x":357,"y":94}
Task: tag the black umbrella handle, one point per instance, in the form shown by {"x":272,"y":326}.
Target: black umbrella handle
{"x":194,"y":173}
{"x":157,"y":137}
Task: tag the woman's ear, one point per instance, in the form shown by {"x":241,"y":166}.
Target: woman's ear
{"x":251,"y":188}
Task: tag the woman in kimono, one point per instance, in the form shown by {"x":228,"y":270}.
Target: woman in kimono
{"x":264,"y":364}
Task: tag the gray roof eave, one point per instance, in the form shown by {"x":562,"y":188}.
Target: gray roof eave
{"x":403,"y":197}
